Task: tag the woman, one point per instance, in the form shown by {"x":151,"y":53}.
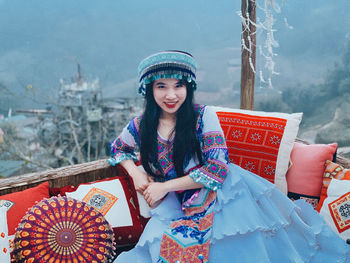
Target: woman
{"x":208,"y":209}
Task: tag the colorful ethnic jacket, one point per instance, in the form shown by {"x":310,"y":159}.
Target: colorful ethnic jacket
{"x":215,"y":155}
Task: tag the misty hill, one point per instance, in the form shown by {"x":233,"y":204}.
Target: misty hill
{"x":41,"y":41}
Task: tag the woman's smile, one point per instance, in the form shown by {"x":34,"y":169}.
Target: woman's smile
{"x":170,"y":105}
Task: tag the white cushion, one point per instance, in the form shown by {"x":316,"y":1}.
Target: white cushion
{"x":336,"y":207}
{"x":109,"y":198}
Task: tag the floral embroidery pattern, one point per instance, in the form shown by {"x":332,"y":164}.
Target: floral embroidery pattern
{"x":165,"y":155}
{"x":213,"y":140}
{"x":120,"y":151}
{"x":250,"y":135}
{"x":188,"y":238}
{"x":212,"y":174}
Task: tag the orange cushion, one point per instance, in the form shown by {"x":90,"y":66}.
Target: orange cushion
{"x":18,"y":204}
{"x":304,"y":177}
{"x":333,"y":170}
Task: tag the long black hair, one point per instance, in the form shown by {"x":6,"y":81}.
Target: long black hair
{"x":185,"y":141}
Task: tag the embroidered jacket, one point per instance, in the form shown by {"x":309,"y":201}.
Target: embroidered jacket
{"x":215,"y":156}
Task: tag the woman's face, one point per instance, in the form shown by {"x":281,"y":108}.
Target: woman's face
{"x":169,"y":94}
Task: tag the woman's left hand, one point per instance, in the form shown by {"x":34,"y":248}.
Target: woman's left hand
{"x":154,"y":192}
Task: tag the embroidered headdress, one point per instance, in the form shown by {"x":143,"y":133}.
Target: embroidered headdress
{"x":167,"y":64}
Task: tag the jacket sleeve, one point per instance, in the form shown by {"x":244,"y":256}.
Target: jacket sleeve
{"x":123,"y":147}
{"x":215,"y":155}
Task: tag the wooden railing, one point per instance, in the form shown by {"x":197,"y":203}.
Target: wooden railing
{"x":68,"y":175}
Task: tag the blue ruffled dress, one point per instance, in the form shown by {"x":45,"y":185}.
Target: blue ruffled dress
{"x":237,"y":217}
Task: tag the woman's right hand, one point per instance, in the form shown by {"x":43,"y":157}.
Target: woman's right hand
{"x":141,"y":180}
{"x":139,"y":176}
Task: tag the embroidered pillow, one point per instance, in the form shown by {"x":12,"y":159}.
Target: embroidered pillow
{"x":116,"y":199}
{"x":4,"y":242}
{"x":260,"y":142}
{"x":336,"y":207}
{"x":333,"y":170}
{"x":304,"y":177}
{"x":18,"y":203}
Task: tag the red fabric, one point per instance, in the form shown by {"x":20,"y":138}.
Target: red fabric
{"x":23,"y":201}
{"x":253,"y":142}
{"x":55,"y":191}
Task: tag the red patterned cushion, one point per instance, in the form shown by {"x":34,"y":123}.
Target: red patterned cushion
{"x":260,"y":142}
{"x":116,"y":199}
{"x":18,"y":203}
{"x":62,"y":229}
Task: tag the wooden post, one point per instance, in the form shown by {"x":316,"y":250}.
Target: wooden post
{"x":248,"y":58}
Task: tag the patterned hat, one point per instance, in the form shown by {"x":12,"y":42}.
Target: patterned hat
{"x":167,"y":64}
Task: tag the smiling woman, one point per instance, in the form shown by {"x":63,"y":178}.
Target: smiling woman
{"x":208,"y":210}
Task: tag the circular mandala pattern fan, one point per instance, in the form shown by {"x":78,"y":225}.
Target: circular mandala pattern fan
{"x":62,"y":229}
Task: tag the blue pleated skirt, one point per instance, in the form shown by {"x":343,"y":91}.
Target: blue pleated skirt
{"x":253,"y":222}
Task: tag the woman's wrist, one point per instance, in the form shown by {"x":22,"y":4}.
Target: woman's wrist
{"x":167,"y":186}
{"x":130,"y":167}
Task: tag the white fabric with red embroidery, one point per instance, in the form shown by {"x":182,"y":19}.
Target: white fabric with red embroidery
{"x":336,"y":207}
{"x":108,"y":197}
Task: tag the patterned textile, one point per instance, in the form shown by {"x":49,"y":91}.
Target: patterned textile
{"x":100,"y":199}
{"x":340,"y":212}
{"x":188,"y":238}
{"x":189,"y":235}
{"x":336,"y":207}
{"x":62,"y":229}
{"x":167,"y":64}
{"x":332,"y":170}
{"x":119,"y":145}
{"x":253,"y":141}
{"x":165,"y":155}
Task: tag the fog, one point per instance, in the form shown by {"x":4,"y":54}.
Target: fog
{"x":42,"y":41}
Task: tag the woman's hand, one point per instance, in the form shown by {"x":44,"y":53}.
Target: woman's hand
{"x":154,"y":192}
{"x":141,"y":180}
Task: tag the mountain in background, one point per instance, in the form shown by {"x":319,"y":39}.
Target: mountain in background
{"x":42,"y":41}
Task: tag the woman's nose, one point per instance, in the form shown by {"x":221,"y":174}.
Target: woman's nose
{"x":171,"y":94}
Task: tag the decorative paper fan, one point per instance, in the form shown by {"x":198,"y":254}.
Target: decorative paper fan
{"x":62,"y":229}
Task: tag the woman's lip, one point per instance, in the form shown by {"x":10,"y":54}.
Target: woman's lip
{"x":172,"y":105}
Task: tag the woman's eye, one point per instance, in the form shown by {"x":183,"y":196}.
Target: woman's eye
{"x":160,"y":87}
{"x":180,"y":85}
